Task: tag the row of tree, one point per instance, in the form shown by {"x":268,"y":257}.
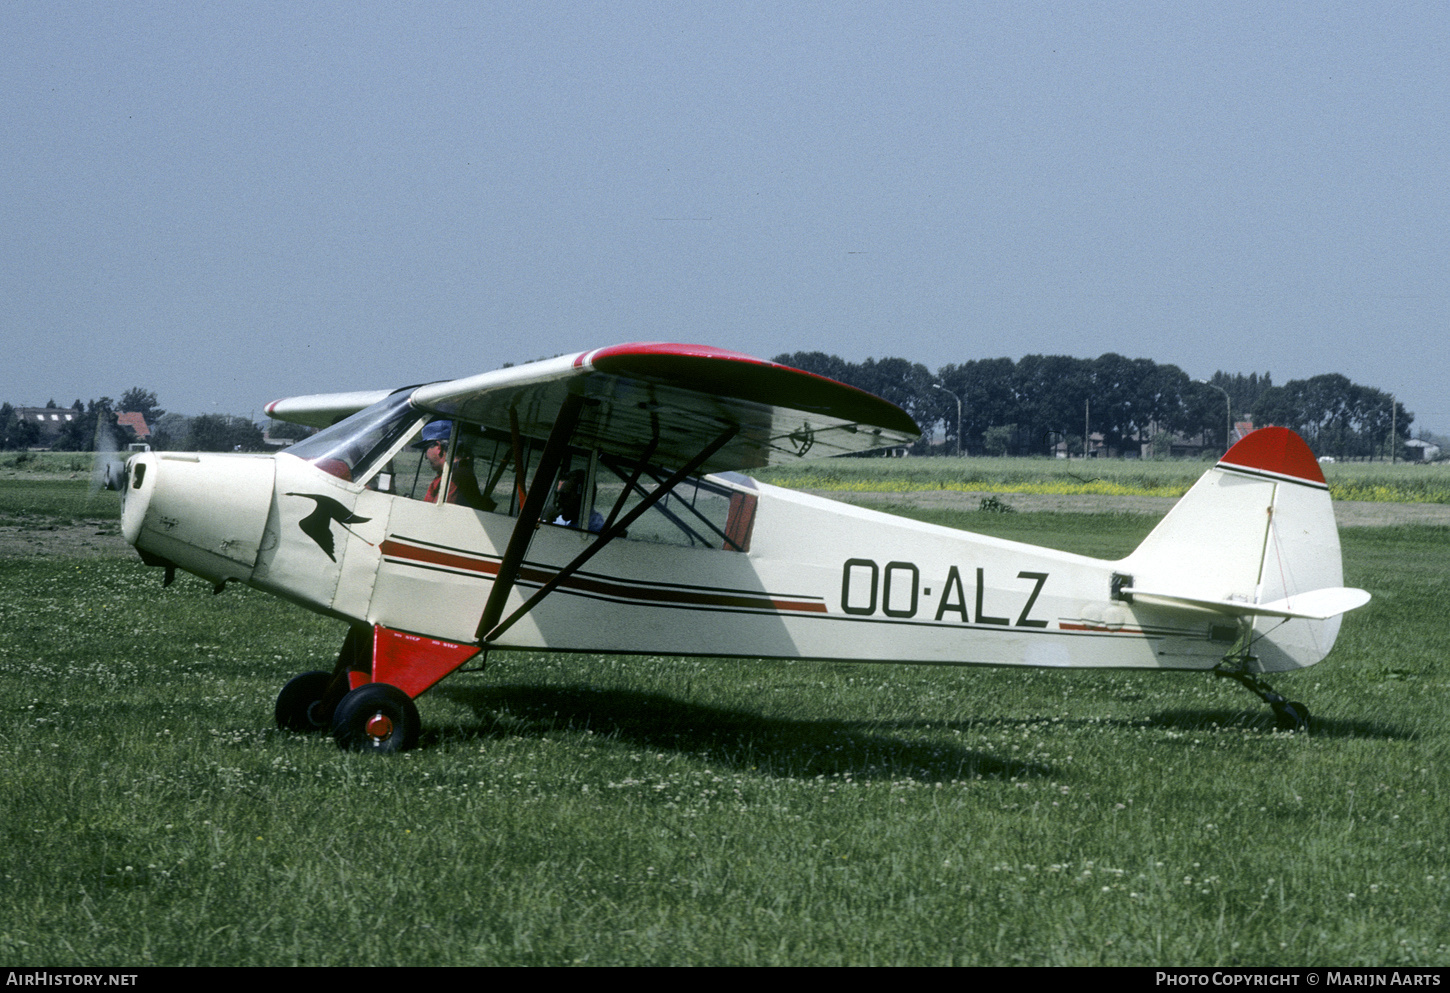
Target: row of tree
{"x":1337,"y":417}
{"x":1027,"y":407}
{"x":208,"y":433}
{"x":1033,"y":405}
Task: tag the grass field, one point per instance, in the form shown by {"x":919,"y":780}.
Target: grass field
{"x":51,"y":487}
{"x":1373,"y":481}
{"x":642,"y":810}
{"x":33,"y":500}
{"x":46,"y":463}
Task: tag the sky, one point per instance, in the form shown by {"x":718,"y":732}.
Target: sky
{"x":229,"y":203}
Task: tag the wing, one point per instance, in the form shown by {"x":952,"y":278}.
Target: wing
{"x":685,"y":395}
{"x":322,"y":410}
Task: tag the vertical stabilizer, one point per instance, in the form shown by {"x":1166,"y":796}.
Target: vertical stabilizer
{"x":1257,"y":528}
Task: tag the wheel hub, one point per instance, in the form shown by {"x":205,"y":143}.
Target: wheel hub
{"x":379,"y":727}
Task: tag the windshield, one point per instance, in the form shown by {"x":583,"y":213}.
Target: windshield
{"x":352,"y":447}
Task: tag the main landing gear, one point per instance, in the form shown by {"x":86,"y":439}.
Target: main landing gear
{"x":376,"y":717}
{"x":367,"y":699}
{"x":303,"y":705}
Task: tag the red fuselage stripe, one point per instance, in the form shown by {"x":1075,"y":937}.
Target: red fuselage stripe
{"x":452,"y":560}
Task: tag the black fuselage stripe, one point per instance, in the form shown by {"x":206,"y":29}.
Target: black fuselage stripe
{"x":1273,"y":477}
{"x":604,"y":576}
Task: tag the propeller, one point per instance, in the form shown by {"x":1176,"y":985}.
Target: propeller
{"x":108,"y":471}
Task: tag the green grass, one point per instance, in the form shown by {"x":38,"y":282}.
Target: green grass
{"x":1373,"y":481}
{"x":47,"y":463}
{"x":58,"y":501}
{"x":1104,"y":536}
{"x":643,"y":810}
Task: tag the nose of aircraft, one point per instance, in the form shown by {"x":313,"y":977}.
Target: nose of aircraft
{"x":201,"y":512}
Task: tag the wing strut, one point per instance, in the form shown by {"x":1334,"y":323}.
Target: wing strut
{"x":518,"y":455}
{"x":605,"y":537}
{"x":638,"y":468}
{"x":533,"y":505}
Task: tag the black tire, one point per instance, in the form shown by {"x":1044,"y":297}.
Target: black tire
{"x":299,"y":705}
{"x":377,"y":718}
{"x":1292,"y":716}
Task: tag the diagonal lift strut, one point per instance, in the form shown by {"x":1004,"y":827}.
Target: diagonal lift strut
{"x":533,"y":505}
{"x":488,"y":629}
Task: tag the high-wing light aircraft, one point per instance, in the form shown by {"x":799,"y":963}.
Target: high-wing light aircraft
{"x":594,"y":503}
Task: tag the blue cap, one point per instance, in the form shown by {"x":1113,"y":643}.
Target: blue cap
{"x":437,"y":430}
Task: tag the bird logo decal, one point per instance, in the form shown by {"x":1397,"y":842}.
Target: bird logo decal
{"x":318,"y":524}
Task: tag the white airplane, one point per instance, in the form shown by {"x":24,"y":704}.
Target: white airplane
{"x":593,"y":503}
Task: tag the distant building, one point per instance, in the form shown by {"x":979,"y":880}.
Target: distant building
{"x":1097,"y":448}
{"x":51,"y":421}
{"x":1421,"y":451}
{"x":136,"y":422}
{"x":268,"y":440}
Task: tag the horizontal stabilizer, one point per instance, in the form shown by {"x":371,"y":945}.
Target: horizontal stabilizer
{"x":1314,"y":605}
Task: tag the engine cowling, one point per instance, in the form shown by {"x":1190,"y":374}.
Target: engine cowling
{"x":203,"y":512}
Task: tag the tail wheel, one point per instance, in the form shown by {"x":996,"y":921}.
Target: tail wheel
{"x":300,"y":704}
{"x":378,"y":718}
{"x":1291,"y":716}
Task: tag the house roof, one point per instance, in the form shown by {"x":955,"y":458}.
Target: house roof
{"x":135,"y":421}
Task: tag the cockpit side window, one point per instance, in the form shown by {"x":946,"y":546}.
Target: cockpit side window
{"x":482,"y":471}
{"x":593,"y":489}
{"x":396,"y":449}
{"x":489,"y":465}
{"x":573,"y":501}
{"x":417,"y":469}
{"x":700,"y":512}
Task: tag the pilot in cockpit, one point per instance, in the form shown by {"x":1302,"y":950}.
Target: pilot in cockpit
{"x":568,"y":498}
{"x":462,"y":484}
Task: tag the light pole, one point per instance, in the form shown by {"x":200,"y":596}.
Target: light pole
{"x":939,"y":386}
{"x":1393,"y":428}
{"x":1228,"y":414}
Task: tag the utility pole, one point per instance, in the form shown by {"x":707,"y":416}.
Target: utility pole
{"x":938,"y":386}
{"x":1393,"y":428}
{"x":1086,"y":438}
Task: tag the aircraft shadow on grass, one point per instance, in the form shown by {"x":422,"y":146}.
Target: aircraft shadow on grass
{"x":864,"y":749}
{"x":1229,"y":717}
{"x":781,"y":746}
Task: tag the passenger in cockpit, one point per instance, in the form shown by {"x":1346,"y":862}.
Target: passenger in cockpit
{"x":569,"y":498}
